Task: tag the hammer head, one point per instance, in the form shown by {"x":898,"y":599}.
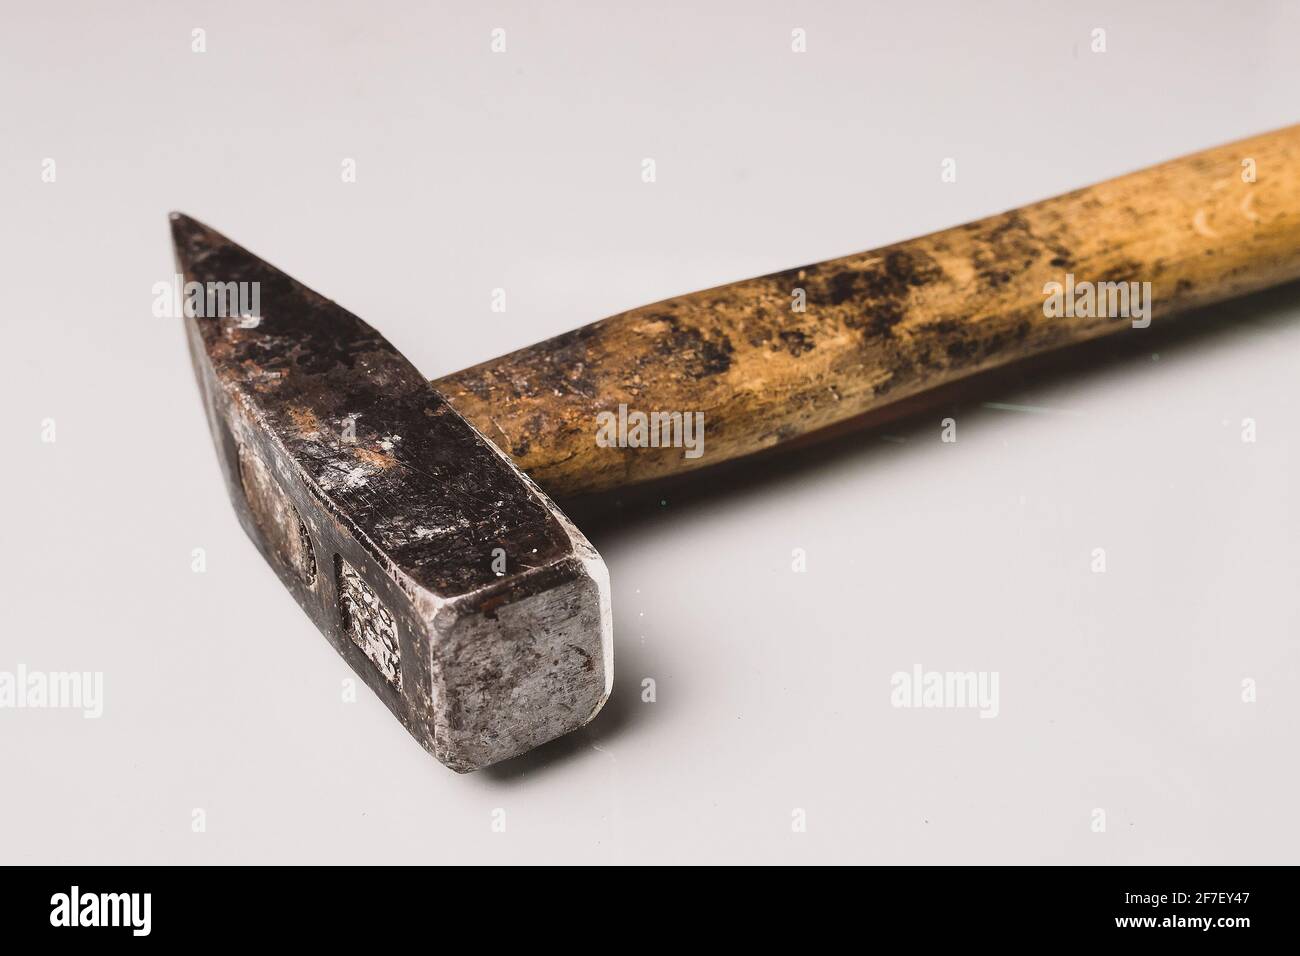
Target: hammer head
{"x":440,"y":572}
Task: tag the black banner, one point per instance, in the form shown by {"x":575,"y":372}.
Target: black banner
{"x":1165,"y":905}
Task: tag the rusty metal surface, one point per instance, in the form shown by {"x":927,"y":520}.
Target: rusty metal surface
{"x":452,"y":585}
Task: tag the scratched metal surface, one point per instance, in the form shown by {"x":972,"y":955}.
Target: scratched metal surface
{"x":415,"y":478}
{"x":1120,"y":691}
{"x":495,"y":608}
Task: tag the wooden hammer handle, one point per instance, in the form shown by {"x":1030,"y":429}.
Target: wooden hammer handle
{"x":887,"y":324}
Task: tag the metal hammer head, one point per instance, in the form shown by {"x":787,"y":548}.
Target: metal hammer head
{"x":443,"y":575}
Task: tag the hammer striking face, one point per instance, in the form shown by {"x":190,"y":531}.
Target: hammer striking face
{"x":444,"y":576}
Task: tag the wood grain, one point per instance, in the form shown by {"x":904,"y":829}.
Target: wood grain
{"x":884,"y":325}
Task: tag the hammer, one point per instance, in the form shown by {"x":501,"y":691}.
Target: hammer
{"x":411,"y":520}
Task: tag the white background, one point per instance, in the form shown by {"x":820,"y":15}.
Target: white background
{"x":1119,"y":691}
